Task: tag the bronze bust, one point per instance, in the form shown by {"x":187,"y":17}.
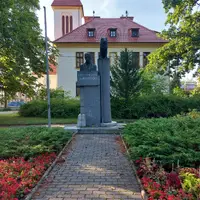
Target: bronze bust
{"x":88,"y":66}
{"x":103,"y":48}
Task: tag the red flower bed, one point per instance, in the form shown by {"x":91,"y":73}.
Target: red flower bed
{"x":18,"y":177}
{"x":162,"y":185}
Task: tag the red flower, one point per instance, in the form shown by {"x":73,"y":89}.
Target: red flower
{"x":18,"y":177}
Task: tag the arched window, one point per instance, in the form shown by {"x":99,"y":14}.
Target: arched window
{"x":71,"y":23}
{"x":67,"y":24}
{"x":63,"y":25}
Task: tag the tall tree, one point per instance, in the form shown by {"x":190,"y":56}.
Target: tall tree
{"x":126,"y":79}
{"x":182,"y":52}
{"x":175,"y":82}
{"x":22,"y":47}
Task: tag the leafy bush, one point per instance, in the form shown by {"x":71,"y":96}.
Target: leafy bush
{"x":191,"y":184}
{"x":58,"y":93}
{"x":5,"y":109}
{"x":153,"y":106}
{"x":31,"y":141}
{"x":60,"y":108}
{"x":168,"y":141}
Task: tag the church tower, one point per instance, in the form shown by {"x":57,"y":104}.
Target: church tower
{"x":68,"y":16}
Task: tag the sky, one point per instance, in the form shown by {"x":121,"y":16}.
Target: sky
{"x":149,"y":13}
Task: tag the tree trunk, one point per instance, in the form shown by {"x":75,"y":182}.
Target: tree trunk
{"x":5,"y":100}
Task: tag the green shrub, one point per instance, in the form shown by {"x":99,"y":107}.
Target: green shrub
{"x":6,"y":109}
{"x":60,"y":108}
{"x":58,"y":93}
{"x":31,"y":141}
{"x":167,"y":141}
{"x":153,"y":106}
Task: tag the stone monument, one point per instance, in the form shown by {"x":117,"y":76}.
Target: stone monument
{"x":89,"y":84}
{"x":104,"y":71}
{"x":95,"y":109}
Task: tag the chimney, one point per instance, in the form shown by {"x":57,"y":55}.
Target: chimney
{"x":131,"y":18}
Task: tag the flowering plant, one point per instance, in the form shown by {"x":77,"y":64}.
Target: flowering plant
{"x":18,"y":177}
{"x":162,"y":185}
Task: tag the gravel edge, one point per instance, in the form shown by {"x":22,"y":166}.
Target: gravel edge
{"x":29,"y":197}
{"x":143,"y":193}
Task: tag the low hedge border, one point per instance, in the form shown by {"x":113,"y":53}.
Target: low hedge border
{"x":46,"y":174}
{"x":152,"y":106}
{"x":143,"y":193}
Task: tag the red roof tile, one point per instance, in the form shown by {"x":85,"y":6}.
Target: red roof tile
{"x":102,"y":26}
{"x":89,"y":18}
{"x":66,"y":3}
{"x":53,"y":70}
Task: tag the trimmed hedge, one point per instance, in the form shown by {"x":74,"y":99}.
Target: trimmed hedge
{"x":154,"y":106}
{"x":168,"y":141}
{"x":60,"y":108}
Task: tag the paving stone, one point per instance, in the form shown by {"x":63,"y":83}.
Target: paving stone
{"x":95,"y":168}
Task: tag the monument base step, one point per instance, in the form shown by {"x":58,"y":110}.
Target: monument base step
{"x":112,"y":124}
{"x":96,"y":130}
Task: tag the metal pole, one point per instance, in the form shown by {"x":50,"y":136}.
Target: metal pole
{"x":47,"y":71}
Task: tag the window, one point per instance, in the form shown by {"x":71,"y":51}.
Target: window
{"x":113,"y":56}
{"x":145,"y":59}
{"x":136,"y":58}
{"x":77,"y":91}
{"x":91,"y":32}
{"x":63,"y":25}
{"x":93,"y":57}
{"x":135,"y":32}
{"x":113,"y":32}
{"x":67,"y":24}
{"x":71,"y":23}
{"x":79,"y":59}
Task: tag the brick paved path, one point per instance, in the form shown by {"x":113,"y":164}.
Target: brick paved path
{"x":95,"y":168}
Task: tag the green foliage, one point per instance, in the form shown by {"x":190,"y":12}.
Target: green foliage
{"x":22,"y":48}
{"x":168,"y":141}
{"x":6,"y":109}
{"x":175,"y":82}
{"x":191,"y":184}
{"x":58,"y":93}
{"x":180,"y":92}
{"x":126,"y":79}
{"x":153,"y":106}
{"x":182,"y":52}
{"x":32,"y":141}
{"x":154,"y":84}
{"x":60,"y":108}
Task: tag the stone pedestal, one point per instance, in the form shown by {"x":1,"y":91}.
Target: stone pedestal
{"x":104,"y":71}
{"x":89,"y":84}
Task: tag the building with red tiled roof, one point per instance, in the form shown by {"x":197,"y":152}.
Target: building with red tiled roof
{"x":76,"y":34}
{"x":66,"y":3}
{"x":123,"y":27}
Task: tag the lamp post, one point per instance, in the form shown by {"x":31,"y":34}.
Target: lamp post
{"x":47,"y":70}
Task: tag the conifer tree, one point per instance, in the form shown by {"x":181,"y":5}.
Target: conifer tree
{"x":126,"y":76}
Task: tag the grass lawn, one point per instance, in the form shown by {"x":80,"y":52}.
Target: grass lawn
{"x":15,"y":119}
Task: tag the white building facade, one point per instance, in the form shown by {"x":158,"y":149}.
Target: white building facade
{"x":74,"y":39}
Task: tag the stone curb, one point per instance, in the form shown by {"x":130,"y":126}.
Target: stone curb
{"x":49,"y":170}
{"x":143,"y":193}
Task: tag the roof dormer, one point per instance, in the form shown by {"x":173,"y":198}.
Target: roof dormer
{"x":91,"y":32}
{"x":135,"y":32}
{"x":113,"y":32}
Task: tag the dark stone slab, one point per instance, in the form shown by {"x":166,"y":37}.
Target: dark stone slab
{"x":89,"y":83}
{"x":104,"y":71}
